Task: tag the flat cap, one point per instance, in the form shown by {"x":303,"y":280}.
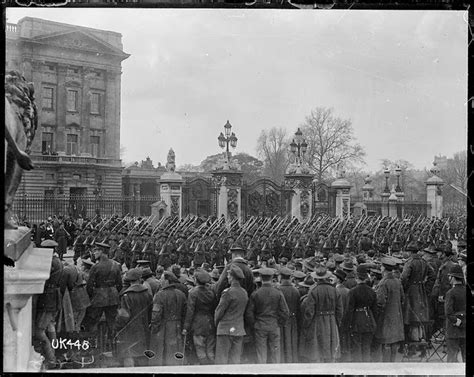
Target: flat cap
{"x":320,"y":273}
{"x":338,"y":258}
{"x":456,"y":271}
{"x":299,"y":274}
{"x":347,"y":265}
{"x":87,"y":262}
{"x":202,"y":276}
{"x":267,"y":271}
{"x":388,"y":262}
{"x":341,"y":274}
{"x":285,"y":271}
{"x":133,"y":274}
{"x":236,"y":271}
{"x":146,"y":272}
{"x":237,"y":250}
{"x":430,"y":250}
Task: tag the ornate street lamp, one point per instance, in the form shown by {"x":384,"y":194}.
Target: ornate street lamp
{"x":398,"y":172}
{"x":298,"y":147}
{"x":387,"y":176}
{"x":227,"y":138}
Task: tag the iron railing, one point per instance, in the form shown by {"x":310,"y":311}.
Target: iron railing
{"x":36,"y":208}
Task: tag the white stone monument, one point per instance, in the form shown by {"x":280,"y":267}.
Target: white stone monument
{"x":20,"y":284}
{"x":343,"y":199}
{"x":171,"y":189}
{"x":434,"y":193}
{"x":228,"y":179}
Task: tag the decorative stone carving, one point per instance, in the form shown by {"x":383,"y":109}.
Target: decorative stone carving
{"x":232,"y":203}
{"x":298,"y":183}
{"x":21,"y":122}
{"x":170,"y":161}
{"x":174,"y":205}
{"x":304,"y":206}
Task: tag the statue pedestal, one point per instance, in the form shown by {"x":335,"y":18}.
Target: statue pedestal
{"x":171,"y":194}
{"x":229,"y":185}
{"x":20,"y":284}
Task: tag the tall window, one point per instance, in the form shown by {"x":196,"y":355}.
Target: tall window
{"x":96,"y":100}
{"x":47,"y":142}
{"x":71,"y":145}
{"x":72,"y":97}
{"x":48,"y":98}
{"x":95,"y":146}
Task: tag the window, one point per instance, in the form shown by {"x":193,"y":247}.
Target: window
{"x":46,"y":142}
{"x":72,"y":97}
{"x":71,"y":145}
{"x":95,"y":146}
{"x":48,"y":98}
{"x":96,"y":103}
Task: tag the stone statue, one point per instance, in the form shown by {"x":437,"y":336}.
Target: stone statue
{"x":21,"y":122}
{"x":170,"y":163}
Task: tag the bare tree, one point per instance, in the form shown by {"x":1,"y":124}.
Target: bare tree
{"x":331,"y":142}
{"x":272,"y":148}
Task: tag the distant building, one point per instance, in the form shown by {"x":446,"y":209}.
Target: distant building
{"x":77,"y":76}
{"x":441,"y":162}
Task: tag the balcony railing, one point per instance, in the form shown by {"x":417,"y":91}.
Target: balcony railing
{"x":12,"y":28}
{"x":74,"y":159}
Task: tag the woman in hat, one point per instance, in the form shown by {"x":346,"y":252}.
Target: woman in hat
{"x":322,"y":314}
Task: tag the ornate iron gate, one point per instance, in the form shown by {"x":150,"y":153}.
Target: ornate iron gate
{"x":199,"y":197}
{"x":264,"y":197}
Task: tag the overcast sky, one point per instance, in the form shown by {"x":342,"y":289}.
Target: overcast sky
{"x":400,"y":76}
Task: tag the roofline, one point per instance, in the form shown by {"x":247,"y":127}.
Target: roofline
{"x":68,"y":25}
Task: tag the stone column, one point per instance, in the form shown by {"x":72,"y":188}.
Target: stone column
{"x":401,"y":201}
{"x":392,"y":205}
{"x":343,"y":198}
{"x":171,"y":193}
{"x":60,"y":108}
{"x":85,"y":112}
{"x":229,"y":185}
{"x":434,"y":194}
{"x":112,"y":114}
{"x":20,"y":284}
{"x":301,"y":196}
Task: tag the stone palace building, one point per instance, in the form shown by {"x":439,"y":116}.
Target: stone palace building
{"x":77,"y":76}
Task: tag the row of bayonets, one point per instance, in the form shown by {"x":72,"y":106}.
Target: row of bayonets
{"x":402,"y":230}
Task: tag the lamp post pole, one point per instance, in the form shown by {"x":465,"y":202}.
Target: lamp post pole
{"x":298,"y":147}
{"x":227,"y":138}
